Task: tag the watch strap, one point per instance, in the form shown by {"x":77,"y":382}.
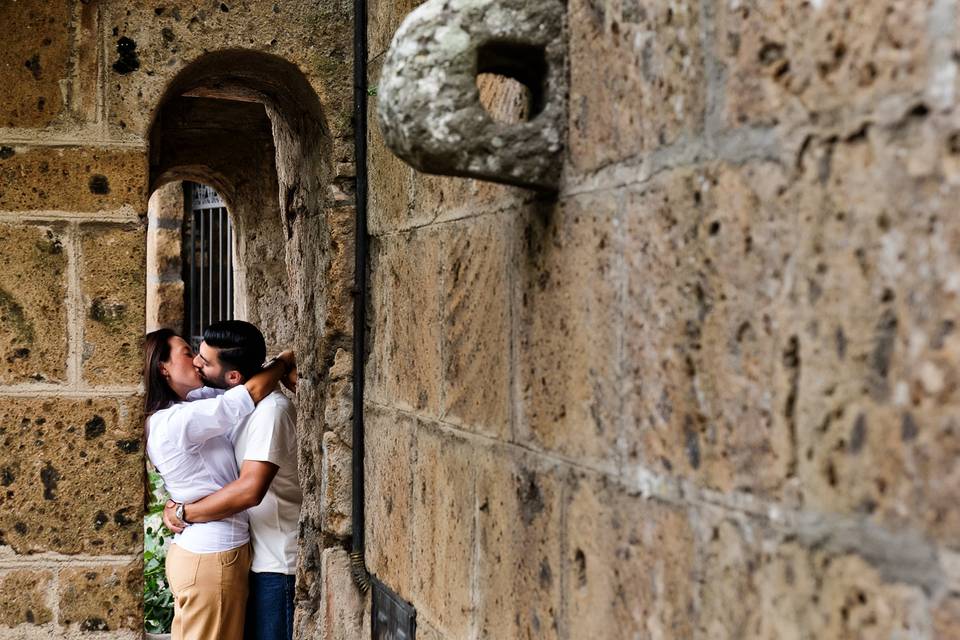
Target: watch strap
{"x":181,"y":513}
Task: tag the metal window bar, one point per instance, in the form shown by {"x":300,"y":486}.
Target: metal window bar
{"x":208,"y":262}
{"x":209,"y":240}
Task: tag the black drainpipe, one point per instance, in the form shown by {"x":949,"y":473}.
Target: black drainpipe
{"x":357,"y":563}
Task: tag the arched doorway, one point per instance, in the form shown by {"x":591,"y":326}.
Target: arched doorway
{"x":251,"y":126}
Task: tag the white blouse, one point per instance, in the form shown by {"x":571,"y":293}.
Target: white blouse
{"x":188,"y":445}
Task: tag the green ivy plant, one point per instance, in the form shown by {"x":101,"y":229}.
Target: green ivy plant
{"x":157,"y":599}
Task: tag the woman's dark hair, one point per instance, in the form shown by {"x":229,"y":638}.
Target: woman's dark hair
{"x":240,"y":346}
{"x":156,"y":349}
{"x":159,"y":395}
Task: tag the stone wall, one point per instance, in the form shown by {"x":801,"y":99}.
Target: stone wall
{"x":710,"y":389}
{"x":165,"y":288}
{"x":100,"y":97}
{"x":72,"y":205}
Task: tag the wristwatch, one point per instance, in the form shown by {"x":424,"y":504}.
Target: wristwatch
{"x":181,"y":516}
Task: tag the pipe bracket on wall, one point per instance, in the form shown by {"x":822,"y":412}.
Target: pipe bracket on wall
{"x":429,"y":104}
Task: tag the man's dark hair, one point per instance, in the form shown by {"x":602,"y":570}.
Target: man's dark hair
{"x":240,"y":344}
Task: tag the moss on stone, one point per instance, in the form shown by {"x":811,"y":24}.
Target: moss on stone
{"x":12,"y":315}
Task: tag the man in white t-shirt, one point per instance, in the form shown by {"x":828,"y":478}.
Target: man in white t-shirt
{"x":265,"y":446}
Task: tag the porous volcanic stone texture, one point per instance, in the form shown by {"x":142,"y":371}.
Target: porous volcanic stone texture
{"x":71,"y":478}
{"x":652,"y":94}
{"x":72,"y":179}
{"x":33,"y":63}
{"x":33,"y":312}
{"x":112,"y":285}
{"x":23,"y":594}
{"x":102,"y":598}
{"x":784,"y":60}
{"x":165,"y":232}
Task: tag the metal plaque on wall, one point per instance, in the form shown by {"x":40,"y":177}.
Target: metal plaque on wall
{"x":393,"y":618}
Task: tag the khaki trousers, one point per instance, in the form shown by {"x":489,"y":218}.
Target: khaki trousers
{"x":209,"y":593}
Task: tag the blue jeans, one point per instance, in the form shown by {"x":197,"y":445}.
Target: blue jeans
{"x":269,"y":607}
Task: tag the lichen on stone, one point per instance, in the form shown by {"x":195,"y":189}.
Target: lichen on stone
{"x":429,"y":107}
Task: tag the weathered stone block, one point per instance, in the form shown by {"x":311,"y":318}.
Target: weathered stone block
{"x":786,"y":61}
{"x":164,"y":261}
{"x":73,"y":179}
{"x":389,"y":496}
{"x":651,"y":91}
{"x":102,"y":598}
{"x":750,"y":581}
{"x":164,"y":304}
{"x":476,"y":325}
{"x":878,"y":385}
{"x":340,"y":278}
{"x":405,"y":320}
{"x":444,"y":509}
{"x":335,"y":484}
{"x":426,"y":632}
{"x":946,"y":618}
{"x":308,"y":254}
{"x":859,"y":602}
{"x":711,"y":362}
{"x":84,"y":92}
{"x":630,"y":565}
{"x":33,"y":314}
{"x":519,"y":571}
{"x":567,"y":312}
{"x":895,"y":465}
{"x":321,"y":246}
{"x":342,"y":616}
{"x":151,"y":44}
{"x":262,"y":296}
{"x":112,"y":277}
{"x":166,"y":203}
{"x":439,"y":198}
{"x":33,"y":63}
{"x":392,"y":204}
{"x":71,"y":475}
{"x":728,"y":567}
{"x":338,"y":412}
{"x":23,"y":595}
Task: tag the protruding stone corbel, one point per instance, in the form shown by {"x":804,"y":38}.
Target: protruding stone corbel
{"x":429,"y":105}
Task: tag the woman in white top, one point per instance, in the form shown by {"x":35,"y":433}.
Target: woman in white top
{"x":207,"y":563}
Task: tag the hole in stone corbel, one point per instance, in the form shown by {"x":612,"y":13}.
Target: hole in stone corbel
{"x":515,"y":64}
{"x":441,"y":112}
{"x":505,"y":99}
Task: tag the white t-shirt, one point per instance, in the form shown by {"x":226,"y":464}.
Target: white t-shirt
{"x":269,"y":435}
{"x":188,"y":445}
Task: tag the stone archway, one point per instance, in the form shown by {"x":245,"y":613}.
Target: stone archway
{"x":250,"y":125}
{"x":229,"y":145}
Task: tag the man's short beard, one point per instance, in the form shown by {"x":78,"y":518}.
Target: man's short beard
{"x":216,"y":383}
